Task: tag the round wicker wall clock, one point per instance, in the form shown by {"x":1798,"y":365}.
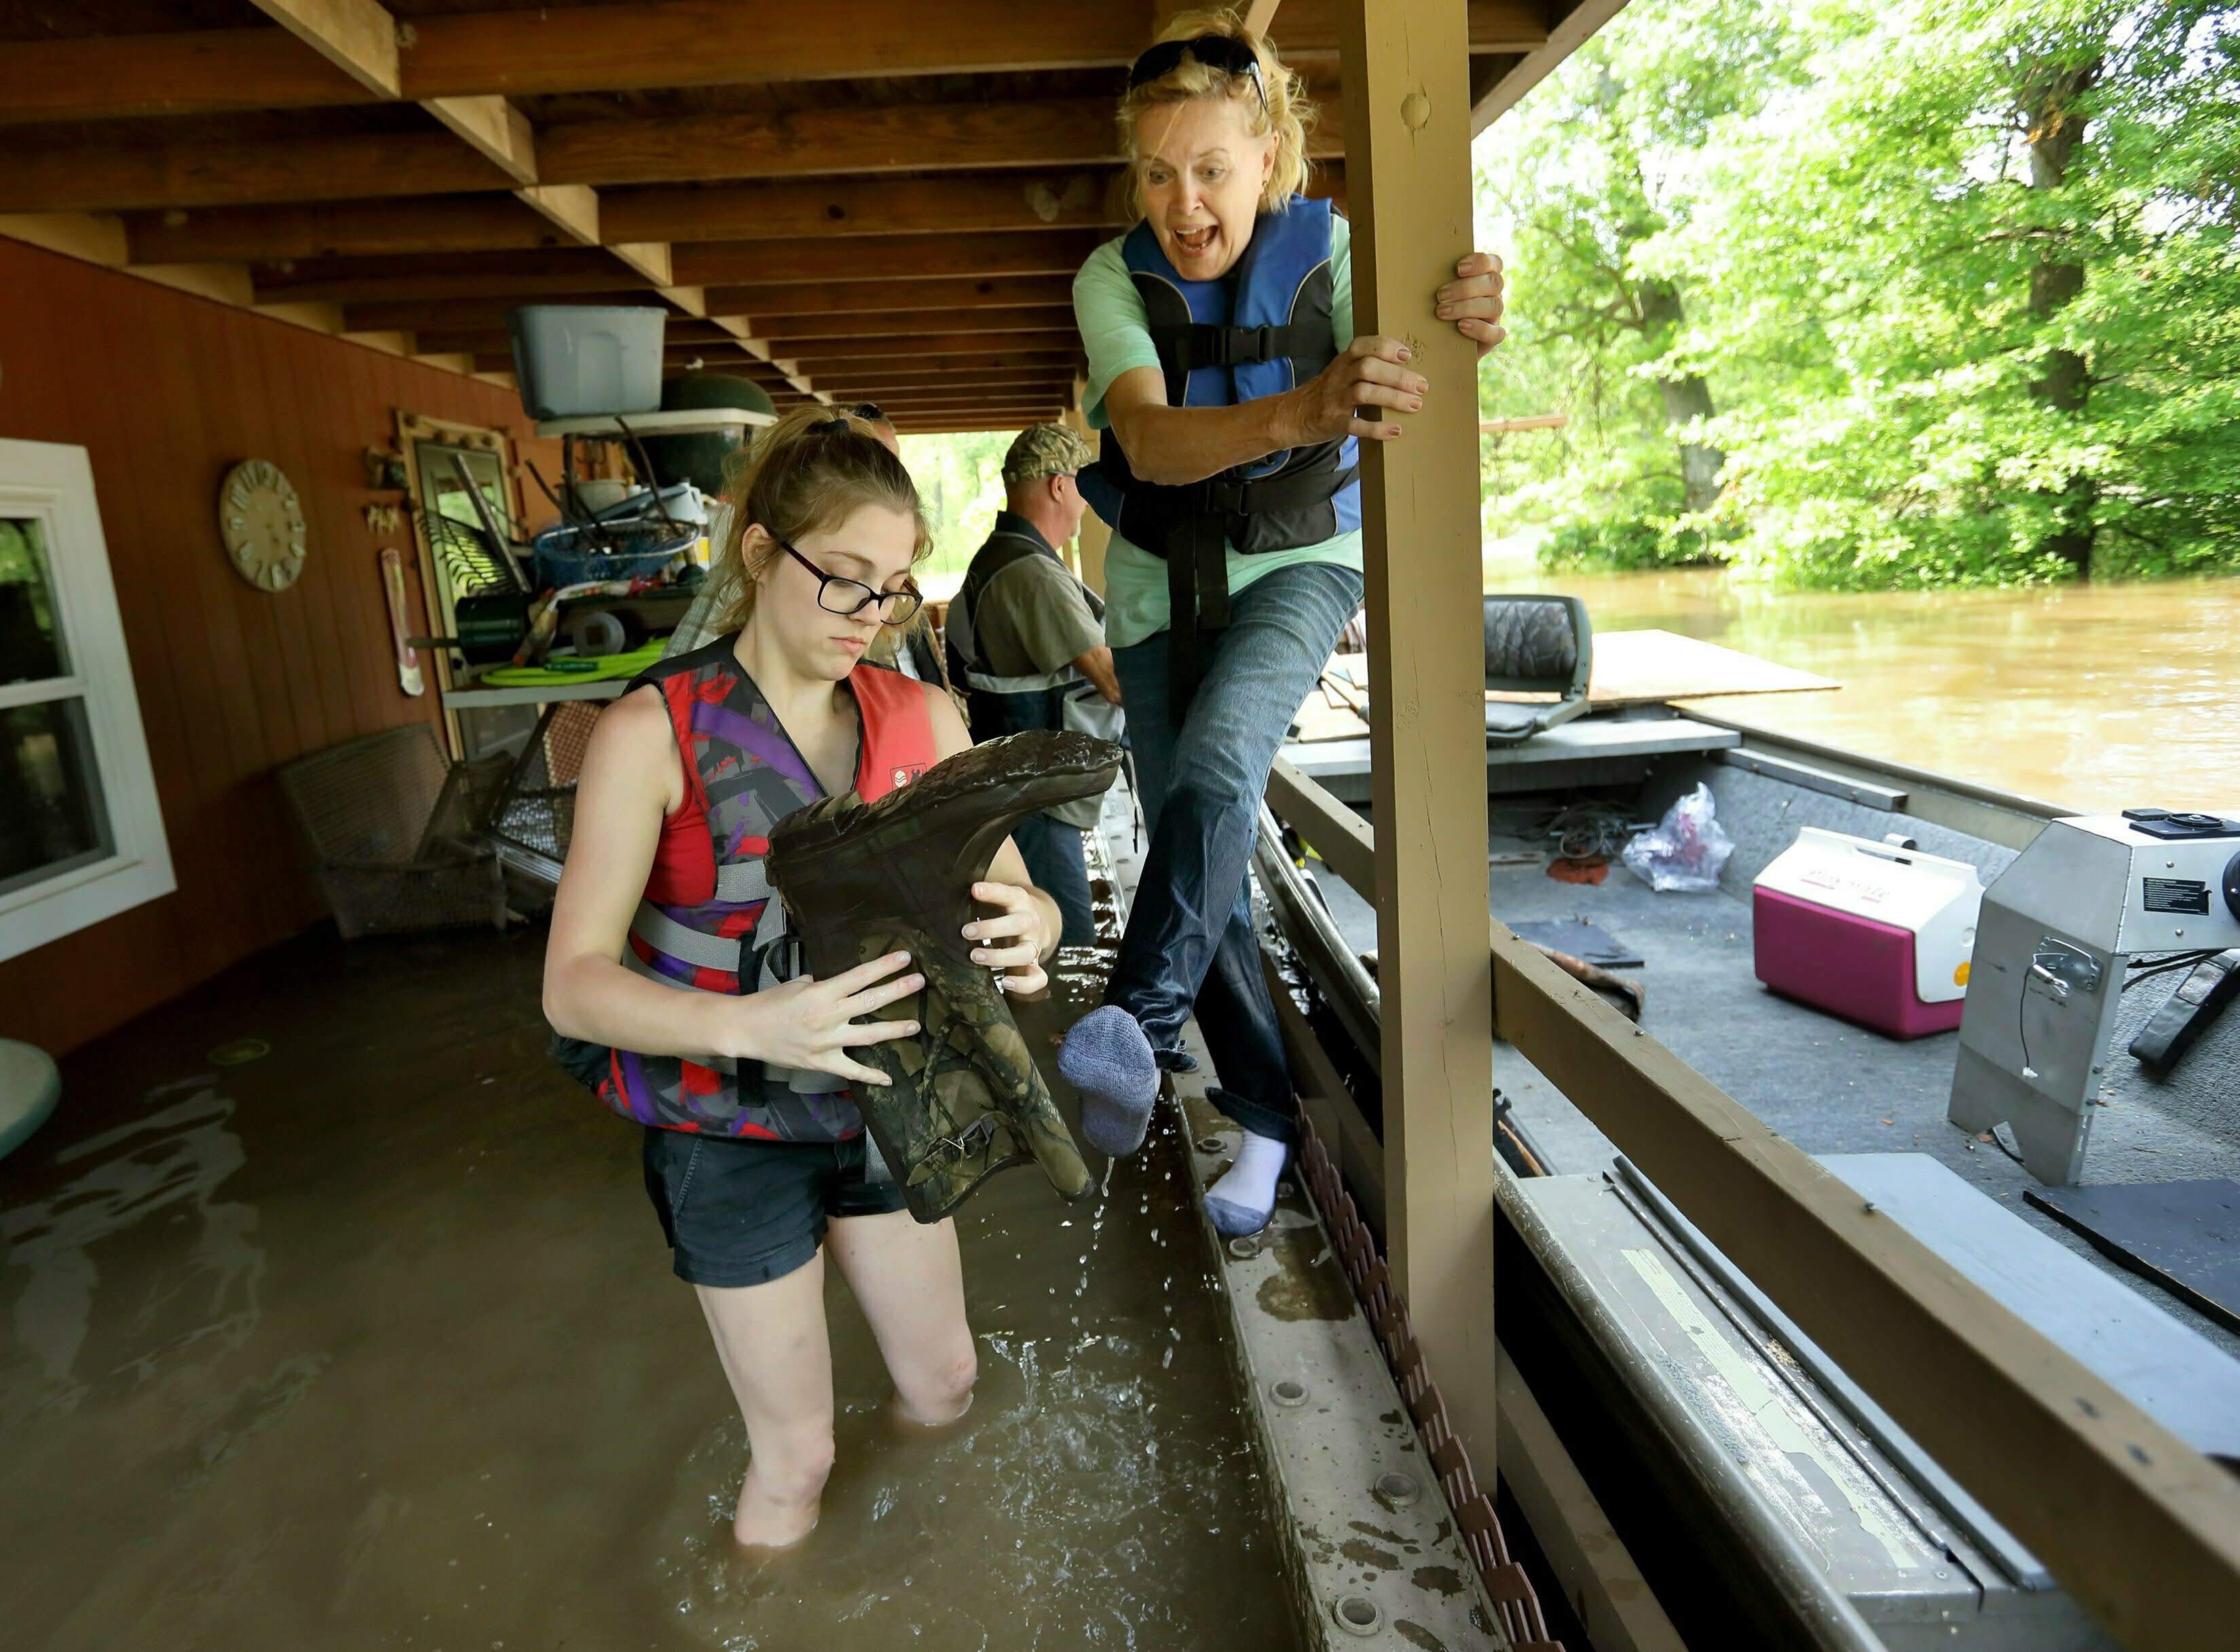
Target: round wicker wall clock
{"x":261,"y":523}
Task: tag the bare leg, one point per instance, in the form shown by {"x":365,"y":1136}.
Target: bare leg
{"x":772,"y":1343}
{"x":910,"y":1282}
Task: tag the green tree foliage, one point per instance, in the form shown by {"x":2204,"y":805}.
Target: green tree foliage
{"x":1592,"y":166}
{"x":960,"y":479}
{"x":1959,"y":275}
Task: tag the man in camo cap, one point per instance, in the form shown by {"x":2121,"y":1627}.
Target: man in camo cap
{"x":1026,"y":642}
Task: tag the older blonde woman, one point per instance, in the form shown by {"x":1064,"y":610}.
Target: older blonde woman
{"x":1224,"y":371}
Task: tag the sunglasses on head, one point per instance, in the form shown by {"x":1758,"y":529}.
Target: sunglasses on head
{"x":1226,"y":52}
{"x":867,"y":411}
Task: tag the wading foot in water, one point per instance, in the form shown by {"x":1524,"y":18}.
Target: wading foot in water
{"x":1108,"y":1060}
{"x":1244,"y":1197}
{"x":782,"y":1498}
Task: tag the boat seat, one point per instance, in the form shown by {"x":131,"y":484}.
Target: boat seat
{"x":1536,"y":645}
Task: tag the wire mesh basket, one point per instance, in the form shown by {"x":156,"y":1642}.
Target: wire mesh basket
{"x":536,"y":821}
{"x":370,"y":811}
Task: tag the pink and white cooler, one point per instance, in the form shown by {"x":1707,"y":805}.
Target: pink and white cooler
{"x":1868,"y":932}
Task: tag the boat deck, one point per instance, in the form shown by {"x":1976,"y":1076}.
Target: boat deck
{"x":1827,"y":1085}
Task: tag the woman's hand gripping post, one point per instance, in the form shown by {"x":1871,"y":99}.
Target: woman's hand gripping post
{"x":1347,"y":397}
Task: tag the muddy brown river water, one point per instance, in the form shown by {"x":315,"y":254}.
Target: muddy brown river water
{"x":371,"y":1343}
{"x":2097,"y":697}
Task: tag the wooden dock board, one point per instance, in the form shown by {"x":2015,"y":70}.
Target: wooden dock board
{"x":1631,"y":669}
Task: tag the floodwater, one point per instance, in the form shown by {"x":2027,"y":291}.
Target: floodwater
{"x":2095,"y":697}
{"x":371,"y":1341}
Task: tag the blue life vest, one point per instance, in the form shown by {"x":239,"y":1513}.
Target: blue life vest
{"x":1262,"y":329}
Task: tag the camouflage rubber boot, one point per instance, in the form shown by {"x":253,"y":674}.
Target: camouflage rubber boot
{"x":862,"y":880}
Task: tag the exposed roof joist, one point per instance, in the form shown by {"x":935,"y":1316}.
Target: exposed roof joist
{"x":910,"y":229}
{"x":535,"y":50}
{"x":363,"y":39}
{"x":1017,"y":304}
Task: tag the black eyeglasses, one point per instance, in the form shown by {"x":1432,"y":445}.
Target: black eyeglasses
{"x":853,"y":595}
{"x":1224,"y":52}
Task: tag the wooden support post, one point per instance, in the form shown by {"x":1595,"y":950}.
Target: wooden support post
{"x":1408,"y":168}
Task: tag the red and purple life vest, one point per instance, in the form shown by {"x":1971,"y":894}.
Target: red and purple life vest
{"x":709,"y":922}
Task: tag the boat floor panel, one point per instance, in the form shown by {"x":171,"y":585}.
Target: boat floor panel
{"x":1829,"y":1086}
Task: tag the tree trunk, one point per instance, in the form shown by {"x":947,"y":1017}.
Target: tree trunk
{"x":2057,"y":124}
{"x":1687,"y":398}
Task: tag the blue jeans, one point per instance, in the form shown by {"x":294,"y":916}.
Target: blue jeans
{"x":1052,"y":851}
{"x":1190,"y":940}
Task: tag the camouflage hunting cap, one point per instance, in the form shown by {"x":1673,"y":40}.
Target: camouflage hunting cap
{"x":1045,"y":450}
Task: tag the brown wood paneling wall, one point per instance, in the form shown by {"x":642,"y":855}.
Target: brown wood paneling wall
{"x":166,"y":391}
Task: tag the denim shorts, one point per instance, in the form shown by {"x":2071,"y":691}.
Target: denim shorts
{"x":737,"y":1211}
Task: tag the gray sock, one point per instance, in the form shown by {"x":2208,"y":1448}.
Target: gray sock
{"x":1107,"y":1058}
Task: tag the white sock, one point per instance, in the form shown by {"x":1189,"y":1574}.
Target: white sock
{"x":1250,"y":1184}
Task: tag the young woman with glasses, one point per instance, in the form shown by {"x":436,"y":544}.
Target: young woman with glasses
{"x":669,"y":959}
{"x":1233,"y":393}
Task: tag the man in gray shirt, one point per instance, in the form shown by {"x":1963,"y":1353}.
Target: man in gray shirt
{"x":1026,"y":644}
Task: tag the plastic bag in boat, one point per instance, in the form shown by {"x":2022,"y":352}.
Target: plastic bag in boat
{"x":1684,"y":853}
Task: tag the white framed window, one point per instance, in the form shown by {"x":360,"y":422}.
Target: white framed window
{"x":81,"y":835}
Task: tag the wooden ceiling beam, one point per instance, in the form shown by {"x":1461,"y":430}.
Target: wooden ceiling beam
{"x":1022,"y":405}
{"x":218,"y":71}
{"x":101,"y":177}
{"x":355,"y":166}
{"x":1064,"y":134}
{"x":456,"y":315}
{"x":858,"y":377}
{"x":705,"y":42}
{"x":1514,"y":69}
{"x":559,"y":215}
{"x":341,"y":229}
{"x":861,"y":206}
{"x":998,"y":393}
{"x":892,"y":271}
{"x":1306,"y":30}
{"x":860,"y":297}
{"x":902,"y":323}
{"x":834,"y":140}
{"x":361,"y":38}
{"x":894,"y":262}
{"x":1053,"y":309}
{"x":562,"y":273}
{"x":1064,"y":341}
{"x":871,"y":368}
{"x":531,"y":50}
{"x":681,"y":333}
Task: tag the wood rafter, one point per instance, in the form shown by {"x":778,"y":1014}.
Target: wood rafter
{"x":531,"y":51}
{"x":361,"y":38}
{"x":851,"y":298}
{"x":889,"y":137}
{"x":1062,"y":341}
{"x":884,"y":259}
{"x":1056,"y":361}
{"x":857,"y":379}
{"x":772,"y":227}
{"x":1016,"y":200}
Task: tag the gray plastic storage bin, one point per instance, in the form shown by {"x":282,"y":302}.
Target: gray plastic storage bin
{"x":575,"y":359}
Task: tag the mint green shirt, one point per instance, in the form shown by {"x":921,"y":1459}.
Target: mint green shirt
{"x":1115,"y":332}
